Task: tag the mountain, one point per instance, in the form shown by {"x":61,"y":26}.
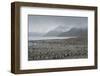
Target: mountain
{"x":57,"y":31}
{"x":79,"y":32}
{"x":66,"y":32}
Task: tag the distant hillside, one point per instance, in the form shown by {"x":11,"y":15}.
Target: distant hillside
{"x":79,"y":32}
{"x":63,"y":32}
{"x":57,"y":31}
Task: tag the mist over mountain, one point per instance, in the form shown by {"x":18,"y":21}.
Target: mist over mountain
{"x":57,"y":31}
{"x":79,"y":32}
{"x":62,"y":31}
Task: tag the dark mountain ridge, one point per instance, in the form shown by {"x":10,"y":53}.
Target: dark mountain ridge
{"x":79,"y":32}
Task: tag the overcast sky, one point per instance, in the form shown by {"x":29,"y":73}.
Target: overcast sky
{"x":43,"y":24}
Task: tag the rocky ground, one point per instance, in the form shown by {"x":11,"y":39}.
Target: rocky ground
{"x":73,"y":48}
